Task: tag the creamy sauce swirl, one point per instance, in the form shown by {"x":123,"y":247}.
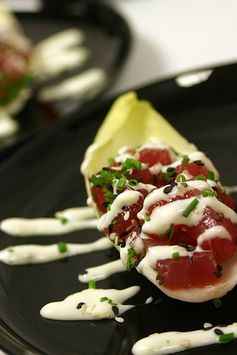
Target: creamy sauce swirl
{"x":37,"y":254}
{"x":90,"y":304}
{"x":172,"y":342}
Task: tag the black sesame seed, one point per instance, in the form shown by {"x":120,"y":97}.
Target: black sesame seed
{"x":115,"y":310}
{"x":80,"y":305}
{"x":218,"y":331}
{"x":184,"y":184}
{"x":198,"y":162}
{"x":124,"y":207}
{"x":106,"y":169}
{"x":217,"y":273}
{"x":123,"y":244}
{"x":168,"y":189}
{"x":219,"y":267}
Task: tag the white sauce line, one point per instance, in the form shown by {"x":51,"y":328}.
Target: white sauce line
{"x":29,"y":227}
{"x":36,"y":254}
{"x":101,"y":272}
{"x":172,"y":342}
{"x":87,"y":304}
{"x":76,"y":213}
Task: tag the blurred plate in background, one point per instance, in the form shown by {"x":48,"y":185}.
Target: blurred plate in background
{"x":107,"y":38}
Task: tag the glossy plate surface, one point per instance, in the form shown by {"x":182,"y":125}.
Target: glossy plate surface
{"x":43,"y":176}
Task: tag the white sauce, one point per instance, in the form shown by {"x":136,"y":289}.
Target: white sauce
{"x":126,"y":198}
{"x":8,"y":126}
{"x":158,"y":194}
{"x":93,"y":307}
{"x":28,"y":227}
{"x":163,"y":217}
{"x":86,"y":84}
{"x":36,"y":254}
{"x":172,"y":342}
{"x":213,"y":232}
{"x":101,"y":272}
{"x":193,"y":157}
{"x":58,"y":53}
{"x":76,"y":213}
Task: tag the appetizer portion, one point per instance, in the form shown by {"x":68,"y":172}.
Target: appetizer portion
{"x":15,"y":57}
{"x":170,"y":217}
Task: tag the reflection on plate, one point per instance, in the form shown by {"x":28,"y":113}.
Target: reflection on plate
{"x":101,"y":53}
{"x":205,"y":114}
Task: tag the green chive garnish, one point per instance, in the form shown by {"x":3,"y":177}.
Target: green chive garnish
{"x":131,"y":255}
{"x":190,"y":207}
{"x":210,"y":175}
{"x":121,"y":183}
{"x":131,"y":163}
{"x":185,"y":159}
{"x":217,"y":302}
{"x":200,"y":177}
{"x":62,"y":247}
{"x":63,"y":220}
{"x":170,"y":231}
{"x":102,"y":299}
{"x":91,"y":284}
{"x":223,"y":191}
{"x":208,"y":193}
{"x":180,"y":178}
{"x":147,"y":218}
{"x":176,"y":255}
{"x":133,"y":182}
{"x":226,"y":338}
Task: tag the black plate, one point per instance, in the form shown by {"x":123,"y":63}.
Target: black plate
{"x":43,"y":176}
{"x":107,"y":36}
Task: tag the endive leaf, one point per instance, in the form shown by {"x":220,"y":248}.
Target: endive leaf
{"x":130,"y":122}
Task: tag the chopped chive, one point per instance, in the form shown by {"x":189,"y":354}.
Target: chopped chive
{"x":121,"y":183}
{"x":131,"y":255}
{"x":208,"y":193}
{"x":226,"y":338}
{"x":190,"y":207}
{"x":217,"y":302}
{"x":180,"y":178}
{"x":200,"y":177}
{"x":131,"y":163}
{"x":133,"y":182}
{"x":63,"y":220}
{"x":170,"y":231}
{"x":91,"y":284}
{"x":147,"y":218}
{"x":108,"y":195}
{"x":210,"y":175}
{"x":102,"y":299}
{"x":176,"y":255}
{"x":62,"y":247}
{"x":223,"y":191}
{"x":185,"y":159}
